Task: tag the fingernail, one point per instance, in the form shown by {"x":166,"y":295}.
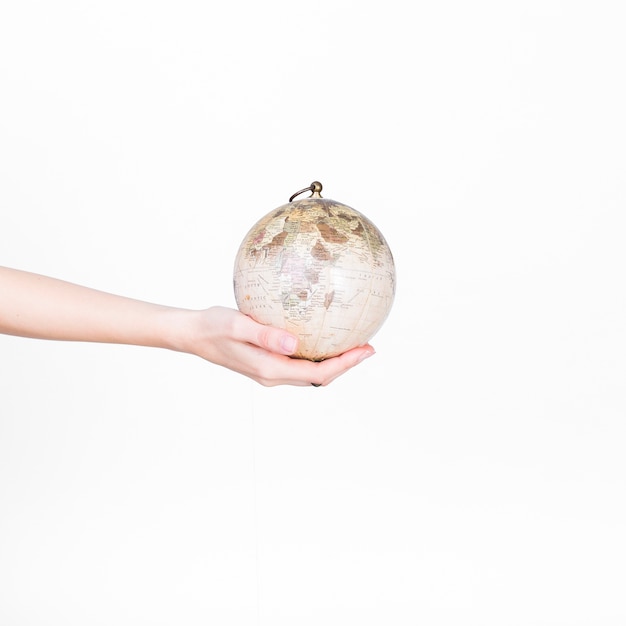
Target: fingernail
{"x":288,"y":343}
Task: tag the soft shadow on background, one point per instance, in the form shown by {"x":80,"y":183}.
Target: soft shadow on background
{"x":471,"y":472}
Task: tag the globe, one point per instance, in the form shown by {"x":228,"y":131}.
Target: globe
{"x":319,"y":269}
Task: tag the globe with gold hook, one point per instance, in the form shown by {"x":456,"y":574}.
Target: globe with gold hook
{"x":319,"y":269}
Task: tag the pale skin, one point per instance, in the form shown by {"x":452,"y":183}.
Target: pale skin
{"x":42,"y":307}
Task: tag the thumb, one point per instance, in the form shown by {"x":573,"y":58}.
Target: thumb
{"x":277,"y":340}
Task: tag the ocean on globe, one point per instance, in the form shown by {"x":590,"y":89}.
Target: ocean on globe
{"x":319,"y":269}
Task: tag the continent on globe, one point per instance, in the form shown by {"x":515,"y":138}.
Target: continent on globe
{"x":319,"y":269}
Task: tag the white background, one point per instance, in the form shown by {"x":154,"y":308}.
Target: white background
{"x":473,"y":471}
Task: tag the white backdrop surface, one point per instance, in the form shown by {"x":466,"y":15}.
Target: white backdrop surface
{"x":473,"y":471}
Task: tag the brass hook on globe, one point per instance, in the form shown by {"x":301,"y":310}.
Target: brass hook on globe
{"x":315,"y":187}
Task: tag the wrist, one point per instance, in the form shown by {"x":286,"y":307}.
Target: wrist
{"x":178,"y":330}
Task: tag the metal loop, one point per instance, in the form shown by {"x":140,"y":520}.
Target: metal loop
{"x":313,"y":187}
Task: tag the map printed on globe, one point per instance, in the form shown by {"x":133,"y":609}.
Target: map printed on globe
{"x":319,"y":269}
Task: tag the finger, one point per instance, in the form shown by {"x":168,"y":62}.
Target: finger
{"x":269,"y":338}
{"x":333,"y":368}
{"x":307,"y":373}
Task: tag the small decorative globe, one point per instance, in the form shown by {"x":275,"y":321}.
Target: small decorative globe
{"x":318,"y":269}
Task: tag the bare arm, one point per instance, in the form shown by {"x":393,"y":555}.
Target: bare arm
{"x":41,"y":307}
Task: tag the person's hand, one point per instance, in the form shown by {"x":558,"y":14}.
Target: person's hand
{"x":233,"y":340}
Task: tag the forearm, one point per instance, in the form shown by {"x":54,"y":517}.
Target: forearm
{"x":46,"y":308}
